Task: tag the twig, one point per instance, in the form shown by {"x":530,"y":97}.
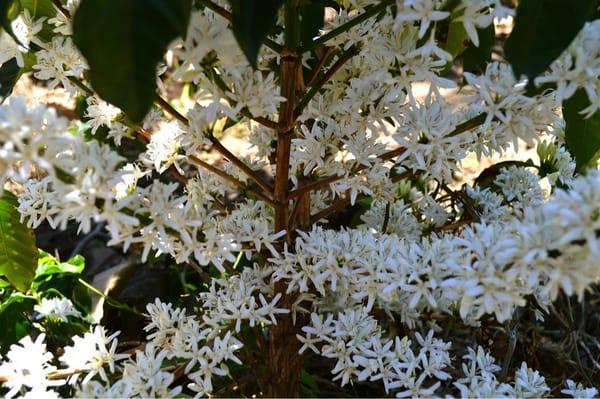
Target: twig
{"x":241,"y":165}
{"x":344,"y":202}
{"x":61,"y":8}
{"x":203,"y":275}
{"x":331,"y":179}
{"x":198,"y":162}
{"x":88,"y":237}
{"x":216,"y":78}
{"x":110,"y":301}
{"x":328,"y":75}
{"x":219,"y":147}
{"x":336,"y":206}
{"x":512,"y":343}
{"x":322,"y":61}
{"x":386,"y":218}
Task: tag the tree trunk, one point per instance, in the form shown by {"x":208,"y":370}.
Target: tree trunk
{"x":284,"y":363}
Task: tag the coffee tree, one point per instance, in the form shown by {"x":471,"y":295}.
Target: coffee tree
{"x":341,"y":257}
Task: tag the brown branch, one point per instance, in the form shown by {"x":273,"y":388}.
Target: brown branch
{"x":336,"y":206}
{"x":164,"y":104}
{"x":144,"y":136}
{"x":198,"y":162}
{"x":344,"y":202}
{"x":217,"y":9}
{"x":266,"y":122}
{"x":315,"y":72}
{"x":217,"y":80}
{"x":468,"y":125}
{"x":331,"y":179}
{"x":241,"y":165}
{"x":219,"y":148}
{"x":326,"y":77}
{"x":386,"y":218}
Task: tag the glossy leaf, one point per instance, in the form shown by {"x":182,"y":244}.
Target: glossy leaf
{"x":48,"y":265}
{"x":14,"y":319}
{"x":582,"y":135}
{"x":18,"y":253}
{"x":9,"y":10}
{"x":123,"y":41}
{"x":543,"y":30}
{"x":312,"y":18}
{"x":456,"y":39}
{"x":41,"y":9}
{"x":475,"y":59}
{"x":9,"y":74}
{"x":252,"y":21}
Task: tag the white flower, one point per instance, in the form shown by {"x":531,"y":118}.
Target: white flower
{"x":59,"y":308}
{"x":577,"y":390}
{"x":91,"y":353}
{"x":423,"y":11}
{"x":144,"y":375}
{"x":27,"y":365}
{"x":59,"y":61}
{"x":529,"y":383}
{"x":163,"y":149}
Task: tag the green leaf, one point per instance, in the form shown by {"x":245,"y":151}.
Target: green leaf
{"x":543,"y":30}
{"x":53,"y":277}
{"x":49,"y":266}
{"x":14,"y":319}
{"x":9,"y":10}
{"x":309,"y":381}
{"x":475,"y":59}
{"x":457,"y":36}
{"x":18,"y":253}
{"x":252,"y":21}
{"x":123,"y":41}
{"x":4,"y":283}
{"x":9,"y":74}
{"x":41,"y":9}
{"x":487,"y":176}
{"x":582,"y":135}
{"x":312,"y":18}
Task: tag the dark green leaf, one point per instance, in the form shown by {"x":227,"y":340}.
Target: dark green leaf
{"x":582,"y":135}
{"x":18,"y":253}
{"x":488,"y":175}
{"x":312,"y":18}
{"x":123,"y":41}
{"x":9,"y":10}
{"x":252,"y":21}
{"x":543,"y":30}
{"x":9,"y":74}
{"x":41,"y":9}
{"x":14,"y":319}
{"x":308,"y":380}
{"x":475,"y":59}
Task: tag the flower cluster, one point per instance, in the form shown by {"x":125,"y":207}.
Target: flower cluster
{"x":489,"y":269}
